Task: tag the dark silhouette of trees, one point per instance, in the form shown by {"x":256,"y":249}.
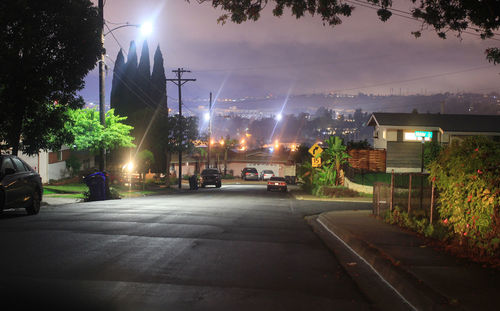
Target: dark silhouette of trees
{"x":46,"y":49}
{"x":481,"y":17}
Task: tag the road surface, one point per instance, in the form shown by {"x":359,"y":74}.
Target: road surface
{"x":234,"y":248}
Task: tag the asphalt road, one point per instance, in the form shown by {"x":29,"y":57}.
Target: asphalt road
{"x":234,"y":248}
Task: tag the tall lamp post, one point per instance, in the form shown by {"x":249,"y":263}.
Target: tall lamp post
{"x":146,"y":28}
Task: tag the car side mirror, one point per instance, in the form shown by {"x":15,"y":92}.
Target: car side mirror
{"x":9,"y":171}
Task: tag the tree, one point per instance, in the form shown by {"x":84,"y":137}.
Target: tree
{"x":333,"y":157}
{"x":46,"y":50}
{"x":228,"y":144}
{"x":482,"y":17}
{"x":88,"y":134}
{"x":117,"y":87}
{"x":145,"y":160}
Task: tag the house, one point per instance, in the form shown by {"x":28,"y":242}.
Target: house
{"x":402,"y":134}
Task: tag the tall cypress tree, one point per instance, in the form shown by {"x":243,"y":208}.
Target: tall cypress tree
{"x":143,"y":79}
{"x":117,"y":84}
{"x":158,"y":81}
{"x":130,"y":88}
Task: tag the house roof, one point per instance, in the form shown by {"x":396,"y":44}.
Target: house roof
{"x":447,"y":122}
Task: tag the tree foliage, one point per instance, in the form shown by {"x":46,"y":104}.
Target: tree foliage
{"x":482,"y":17}
{"x":88,"y":133}
{"x":46,"y":49}
{"x":467,"y":178}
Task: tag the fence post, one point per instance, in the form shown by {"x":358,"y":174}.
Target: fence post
{"x":432,"y":202}
{"x":392,"y":190}
{"x":409,"y":196}
{"x":378,"y":200}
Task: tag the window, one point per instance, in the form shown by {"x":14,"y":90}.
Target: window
{"x":19,"y":165}
{"x":7,"y":163}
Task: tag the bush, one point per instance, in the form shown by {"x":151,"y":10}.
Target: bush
{"x":467,"y":177}
{"x":337,"y":192}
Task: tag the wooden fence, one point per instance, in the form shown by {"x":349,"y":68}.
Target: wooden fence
{"x":368,"y":160}
{"x":410,"y":192}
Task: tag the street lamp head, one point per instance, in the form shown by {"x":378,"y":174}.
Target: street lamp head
{"x":146,"y":28}
{"x":279,"y":117}
{"x":207,"y":116}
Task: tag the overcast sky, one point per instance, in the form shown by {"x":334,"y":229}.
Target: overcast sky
{"x":281,"y":55}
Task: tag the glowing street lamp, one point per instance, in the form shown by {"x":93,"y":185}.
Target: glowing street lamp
{"x":207,"y":116}
{"x":279,"y":117}
{"x":146,"y":28}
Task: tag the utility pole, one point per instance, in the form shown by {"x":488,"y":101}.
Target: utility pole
{"x":180,"y":82}
{"x":102,"y":116}
{"x":209,"y":128}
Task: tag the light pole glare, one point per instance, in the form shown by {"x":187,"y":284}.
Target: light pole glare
{"x":146,"y":28}
{"x":207,"y":116}
{"x":279,"y":117}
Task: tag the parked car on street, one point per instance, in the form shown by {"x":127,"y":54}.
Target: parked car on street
{"x":266,"y":174}
{"x":211,"y":176}
{"x":249,"y":173}
{"x":20,"y":185}
{"x":277,"y":183}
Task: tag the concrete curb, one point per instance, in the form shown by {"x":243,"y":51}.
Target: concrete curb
{"x":417,"y":293}
{"x":301,"y":197}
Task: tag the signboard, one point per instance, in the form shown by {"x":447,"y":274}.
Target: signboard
{"x":315,"y":150}
{"x":423,"y":134}
{"x":316,"y":162}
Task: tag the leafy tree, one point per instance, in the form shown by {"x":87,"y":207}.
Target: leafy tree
{"x":334,"y":156}
{"x":46,"y":50}
{"x":145,"y":160}
{"x":228,"y":144}
{"x":482,"y":17}
{"x":88,"y":133}
{"x":466,"y":175}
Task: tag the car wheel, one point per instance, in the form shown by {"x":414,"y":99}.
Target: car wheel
{"x":218,"y":185}
{"x":34,"y":208}
{"x":284,"y":189}
{"x":203,"y":185}
{"x":268,"y":189}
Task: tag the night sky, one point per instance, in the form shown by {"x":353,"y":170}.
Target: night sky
{"x":285,"y":55}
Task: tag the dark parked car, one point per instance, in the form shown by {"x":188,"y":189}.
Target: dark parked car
{"x":249,"y":173}
{"x":277,"y":183}
{"x":20,"y":185}
{"x":211,"y":176}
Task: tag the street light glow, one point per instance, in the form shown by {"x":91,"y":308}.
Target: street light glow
{"x":207,"y":116}
{"x":146,"y":28}
{"x":279,"y":117}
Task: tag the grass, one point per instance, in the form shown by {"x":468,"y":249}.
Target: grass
{"x":69,"y":188}
{"x":76,"y":191}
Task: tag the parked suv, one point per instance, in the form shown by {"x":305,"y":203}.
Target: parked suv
{"x":211,"y":176}
{"x":249,"y":173}
{"x":20,"y":185}
{"x":266,"y":174}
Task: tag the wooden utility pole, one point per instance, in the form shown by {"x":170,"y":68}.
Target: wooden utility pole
{"x":180,"y":82}
{"x":209,"y":129}
{"x":102,"y":101}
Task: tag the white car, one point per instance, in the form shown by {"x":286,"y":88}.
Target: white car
{"x":266,"y":174}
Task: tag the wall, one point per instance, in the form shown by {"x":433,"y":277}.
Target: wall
{"x":357,"y":187}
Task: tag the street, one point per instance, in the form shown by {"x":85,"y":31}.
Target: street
{"x":237,"y":247}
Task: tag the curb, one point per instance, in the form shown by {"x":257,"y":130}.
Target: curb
{"x":302,"y":198}
{"x":420,"y":295}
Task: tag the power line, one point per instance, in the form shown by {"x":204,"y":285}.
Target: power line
{"x":409,"y":15}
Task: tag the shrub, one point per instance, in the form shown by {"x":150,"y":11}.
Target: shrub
{"x":467,"y":177}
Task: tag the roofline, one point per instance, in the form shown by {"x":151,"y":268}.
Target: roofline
{"x":374,"y":119}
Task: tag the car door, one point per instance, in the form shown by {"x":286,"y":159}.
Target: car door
{"x":11,"y":183}
{"x":25,"y":185}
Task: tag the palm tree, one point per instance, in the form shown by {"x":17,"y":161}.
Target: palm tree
{"x":334,"y":156}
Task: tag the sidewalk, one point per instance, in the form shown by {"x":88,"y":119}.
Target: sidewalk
{"x":427,"y":278}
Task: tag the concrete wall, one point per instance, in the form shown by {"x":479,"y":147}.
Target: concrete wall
{"x":357,"y":187}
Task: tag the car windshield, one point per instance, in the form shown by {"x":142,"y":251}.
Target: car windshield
{"x":251,"y":170}
{"x":209,"y":171}
{"x":278,"y":178}
{"x":267,"y":172}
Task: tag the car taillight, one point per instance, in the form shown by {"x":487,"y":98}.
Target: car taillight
{"x":247,"y":173}
{"x":282,"y":184}
{"x":270,"y":183}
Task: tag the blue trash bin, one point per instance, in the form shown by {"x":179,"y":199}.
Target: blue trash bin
{"x":97,"y":186}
